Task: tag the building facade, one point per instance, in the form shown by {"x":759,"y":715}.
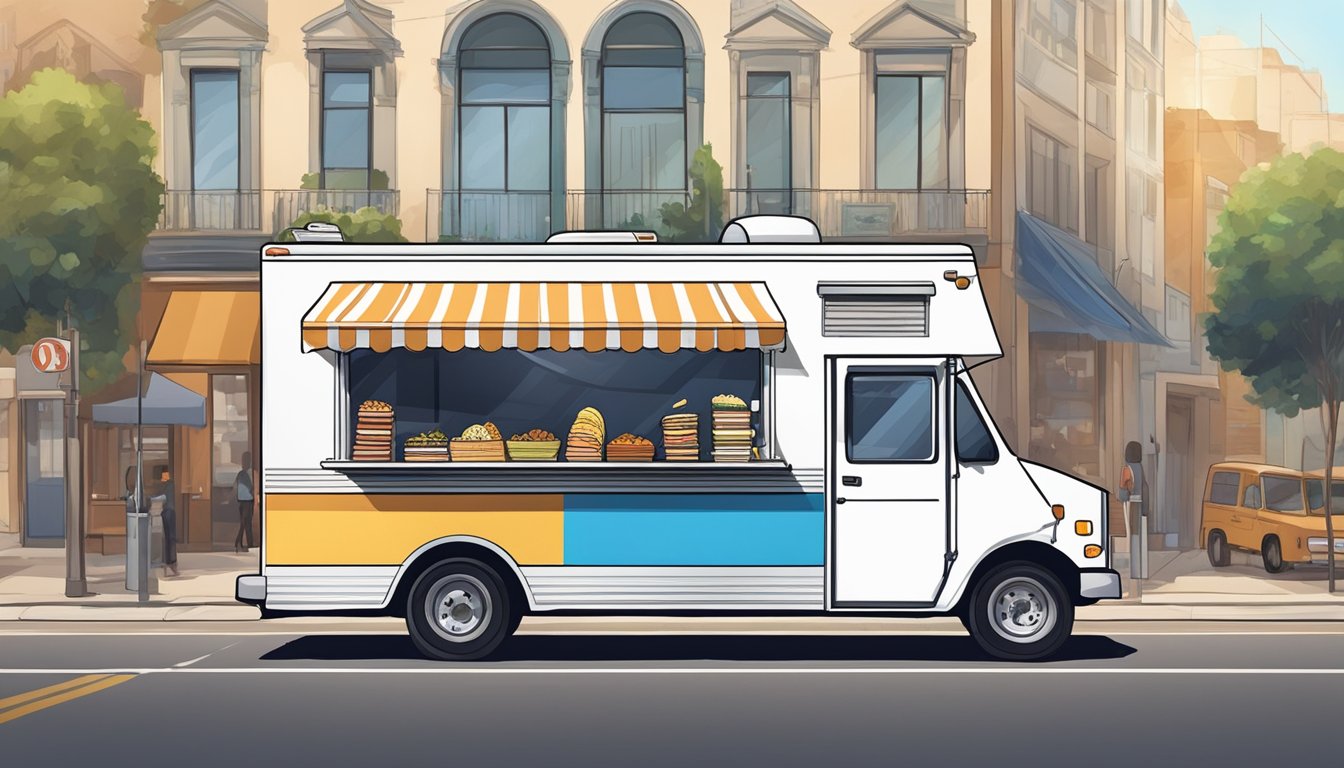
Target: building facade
{"x":1030,"y":130}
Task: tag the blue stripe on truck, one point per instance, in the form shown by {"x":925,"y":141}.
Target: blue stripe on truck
{"x":694,"y":529}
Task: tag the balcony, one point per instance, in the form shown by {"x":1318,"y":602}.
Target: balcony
{"x":870,"y":214}
{"x":263,"y":211}
{"x":475,"y":216}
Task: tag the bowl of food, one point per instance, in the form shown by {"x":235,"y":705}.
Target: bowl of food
{"x":534,"y":445}
{"x":479,"y":442}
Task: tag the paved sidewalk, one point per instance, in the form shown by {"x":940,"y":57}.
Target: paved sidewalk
{"x":1181,"y":587}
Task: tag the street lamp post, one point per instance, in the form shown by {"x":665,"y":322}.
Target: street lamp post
{"x":76,"y":585}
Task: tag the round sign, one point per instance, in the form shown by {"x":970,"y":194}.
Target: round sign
{"x":51,"y":355}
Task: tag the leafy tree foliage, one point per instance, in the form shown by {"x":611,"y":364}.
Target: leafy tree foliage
{"x":79,"y":196}
{"x":365,"y":225}
{"x":1279,"y":299}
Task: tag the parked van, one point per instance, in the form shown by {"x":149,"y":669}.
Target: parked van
{"x":768,"y":425}
{"x":1276,"y":512}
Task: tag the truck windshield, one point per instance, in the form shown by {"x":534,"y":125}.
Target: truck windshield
{"x":1283,"y":494}
{"x":1316,"y":497}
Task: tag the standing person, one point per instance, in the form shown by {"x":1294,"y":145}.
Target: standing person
{"x":166,"y":490}
{"x":244,"y":488}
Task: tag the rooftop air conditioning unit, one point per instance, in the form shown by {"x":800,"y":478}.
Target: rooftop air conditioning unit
{"x":602,"y":237}
{"x":771,"y":229}
{"x":317,"y":232}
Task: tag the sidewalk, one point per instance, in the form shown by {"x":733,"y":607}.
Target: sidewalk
{"x":1181,"y":587}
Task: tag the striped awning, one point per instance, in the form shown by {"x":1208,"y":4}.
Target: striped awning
{"x":532,"y":316}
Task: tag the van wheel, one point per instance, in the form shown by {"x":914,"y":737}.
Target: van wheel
{"x":1020,"y":612}
{"x":1219,"y":555}
{"x":1272,"y":553}
{"x":458,"y":610}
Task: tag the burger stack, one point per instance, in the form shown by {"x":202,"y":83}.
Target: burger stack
{"x":586,"y":436}
{"x":681,"y":436}
{"x":373,"y":432}
{"x":730,"y":428}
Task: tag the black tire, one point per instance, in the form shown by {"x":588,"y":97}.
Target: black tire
{"x":1020,"y":612}
{"x":1271,"y":551}
{"x":1219,"y":554}
{"x":470,"y":615}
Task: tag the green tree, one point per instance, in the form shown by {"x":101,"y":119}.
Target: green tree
{"x":1279,"y":297}
{"x":79,"y":196}
{"x":702,"y":219}
{"x":365,"y":225}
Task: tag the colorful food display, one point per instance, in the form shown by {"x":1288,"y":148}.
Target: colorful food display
{"x":586,"y":436}
{"x":730,"y":428}
{"x":534,"y":445}
{"x":630,"y":447}
{"x":426,"y":446}
{"x":373,"y":432}
{"x":479,"y":442}
{"x":681,"y":436}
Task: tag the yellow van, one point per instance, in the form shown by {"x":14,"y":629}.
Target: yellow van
{"x":1273,"y":511}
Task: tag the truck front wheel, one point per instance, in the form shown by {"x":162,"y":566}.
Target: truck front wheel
{"x":1019,"y":612}
{"x":459,"y":610}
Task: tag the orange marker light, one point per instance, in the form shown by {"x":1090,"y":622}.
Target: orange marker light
{"x":963,"y":283}
{"x":1092,"y":550}
{"x":1057,"y":510}
{"x":276,"y":251}
{"x":1082,"y":527}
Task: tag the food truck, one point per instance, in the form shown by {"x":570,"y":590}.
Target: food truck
{"x":465,"y":434}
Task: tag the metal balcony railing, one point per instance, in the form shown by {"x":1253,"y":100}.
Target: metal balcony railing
{"x":264,"y":211}
{"x":488,"y":216}
{"x":868,"y":213}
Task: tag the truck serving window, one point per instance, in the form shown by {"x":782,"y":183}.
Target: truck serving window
{"x":974,"y":443}
{"x":889,"y":418}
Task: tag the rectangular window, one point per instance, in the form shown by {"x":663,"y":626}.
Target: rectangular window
{"x":1099,"y":109}
{"x":347,"y":129}
{"x":643,"y":88}
{"x":1051,"y":24}
{"x":1050,"y":179}
{"x":1283,"y":494}
{"x":1096,"y":203}
{"x":1099,"y":31}
{"x":644,"y":151}
{"x":769,"y":148}
{"x":911,"y":132}
{"x":889,"y":417}
{"x":1066,"y":391}
{"x":1223,"y":489}
{"x":498,"y":86}
{"x":4,"y":436}
{"x":974,"y":443}
{"x":1177,"y":315}
{"x":214,"y":129}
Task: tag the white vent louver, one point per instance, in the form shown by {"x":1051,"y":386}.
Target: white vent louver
{"x":875,"y":309}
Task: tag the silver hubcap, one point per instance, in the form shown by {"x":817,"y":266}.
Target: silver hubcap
{"x":459,"y":606}
{"x":1022,"y":610}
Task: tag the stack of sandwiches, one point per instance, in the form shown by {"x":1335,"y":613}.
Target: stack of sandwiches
{"x":373,"y":432}
{"x":731,"y":428}
{"x":681,"y":436}
{"x":426,"y":446}
{"x":586,"y":437}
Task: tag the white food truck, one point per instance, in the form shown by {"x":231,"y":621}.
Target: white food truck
{"x":465,"y":434}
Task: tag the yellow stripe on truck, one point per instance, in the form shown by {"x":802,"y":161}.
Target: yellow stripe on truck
{"x":384,"y":529}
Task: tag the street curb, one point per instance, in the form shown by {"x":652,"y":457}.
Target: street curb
{"x":167,"y":612}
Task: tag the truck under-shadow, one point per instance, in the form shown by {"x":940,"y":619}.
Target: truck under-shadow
{"x":662,"y":648}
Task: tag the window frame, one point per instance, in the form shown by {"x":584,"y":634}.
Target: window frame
{"x":191,"y":124}
{"x":848,"y":395}
{"x":322,"y":128}
{"x":603,"y":110}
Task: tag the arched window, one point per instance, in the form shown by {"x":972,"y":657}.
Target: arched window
{"x":504,"y":119}
{"x":643,"y":77}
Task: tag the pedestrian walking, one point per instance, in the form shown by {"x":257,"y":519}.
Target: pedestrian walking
{"x":244,"y":488}
{"x":169,"y":516}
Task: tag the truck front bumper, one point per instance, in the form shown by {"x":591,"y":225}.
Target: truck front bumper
{"x":250,"y":589}
{"x":1099,"y":583}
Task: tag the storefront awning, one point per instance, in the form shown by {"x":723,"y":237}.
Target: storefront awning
{"x":1057,"y":275}
{"x":532,"y":316}
{"x":209,"y":328}
{"x":166,"y":403}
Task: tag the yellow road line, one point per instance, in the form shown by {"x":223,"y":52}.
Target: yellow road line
{"x":99,"y":683}
{"x":13,"y":701}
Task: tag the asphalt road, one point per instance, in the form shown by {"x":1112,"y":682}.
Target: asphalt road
{"x":1123,"y":695}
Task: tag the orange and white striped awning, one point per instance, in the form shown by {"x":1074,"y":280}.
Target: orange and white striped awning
{"x":532,"y":316}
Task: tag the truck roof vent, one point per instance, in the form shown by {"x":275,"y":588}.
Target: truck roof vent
{"x":603,"y":236}
{"x":317,"y":232}
{"x":771,"y":229}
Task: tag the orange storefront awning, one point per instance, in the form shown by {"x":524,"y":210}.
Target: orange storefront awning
{"x":532,"y":316}
{"x":209,"y":328}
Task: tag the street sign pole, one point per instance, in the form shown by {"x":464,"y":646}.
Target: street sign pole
{"x":141,"y":514}
{"x":76,"y":585}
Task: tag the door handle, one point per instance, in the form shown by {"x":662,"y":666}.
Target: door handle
{"x":853,"y":481}
{"x":840,"y":500}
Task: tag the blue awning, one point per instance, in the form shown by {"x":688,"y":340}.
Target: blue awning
{"x":1057,"y":275}
{"x":166,"y":403}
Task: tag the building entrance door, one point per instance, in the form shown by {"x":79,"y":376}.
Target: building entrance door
{"x":1176,"y":513}
{"x":44,"y":472}
{"x":231,"y":437}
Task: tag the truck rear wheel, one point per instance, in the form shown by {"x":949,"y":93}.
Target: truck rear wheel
{"x":459,"y":610}
{"x":1020,"y":612}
